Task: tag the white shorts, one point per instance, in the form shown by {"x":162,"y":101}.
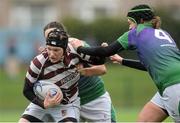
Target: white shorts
{"x":170,"y":101}
{"x":56,"y":113}
{"x":157,"y":100}
{"x":98,"y":110}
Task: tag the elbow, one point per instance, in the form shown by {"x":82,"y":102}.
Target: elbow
{"x":25,"y":93}
{"x":103,"y":70}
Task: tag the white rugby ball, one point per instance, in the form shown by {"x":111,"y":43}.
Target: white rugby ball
{"x":41,"y":88}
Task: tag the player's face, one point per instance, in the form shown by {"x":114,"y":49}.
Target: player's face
{"x":55,"y":53}
{"x":131,"y":24}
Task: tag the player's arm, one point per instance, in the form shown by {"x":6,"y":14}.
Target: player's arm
{"x":100,"y":51}
{"x":94,"y":60}
{"x":93,"y":70}
{"x":29,"y":94}
{"x":133,"y":64}
{"x":31,"y":77}
{"x":128,"y":62}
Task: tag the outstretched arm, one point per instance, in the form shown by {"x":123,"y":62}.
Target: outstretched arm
{"x":94,"y":60}
{"x":110,"y":50}
{"x":128,"y":62}
{"x":133,"y":64}
{"x":93,"y":70}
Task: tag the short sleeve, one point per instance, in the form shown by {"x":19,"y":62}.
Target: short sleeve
{"x":123,"y":40}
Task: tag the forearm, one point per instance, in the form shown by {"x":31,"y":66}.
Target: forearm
{"x":29,"y":94}
{"x":133,"y":64}
{"x":94,"y":70}
{"x":93,"y":60}
{"x":101,"y":51}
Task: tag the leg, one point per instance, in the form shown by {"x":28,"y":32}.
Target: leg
{"x":28,"y":119}
{"x":23,"y":120}
{"x":152,"y":113}
{"x":69,"y":120}
{"x":33,"y":113}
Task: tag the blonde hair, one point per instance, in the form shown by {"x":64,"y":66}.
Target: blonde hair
{"x":156,"y":22}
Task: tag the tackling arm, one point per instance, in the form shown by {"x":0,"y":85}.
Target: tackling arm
{"x":100,"y":51}
{"x":133,"y":64}
{"x":127,"y":62}
{"x":93,"y":70}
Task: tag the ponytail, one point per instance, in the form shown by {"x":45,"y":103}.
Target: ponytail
{"x":156,"y":22}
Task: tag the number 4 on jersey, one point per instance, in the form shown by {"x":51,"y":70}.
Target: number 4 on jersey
{"x":162,"y":35}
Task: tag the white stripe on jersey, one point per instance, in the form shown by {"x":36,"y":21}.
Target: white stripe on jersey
{"x":53,"y":68}
{"x":72,"y":49}
{"x":41,"y":58}
{"x":74,"y":62}
{"x":31,"y":79}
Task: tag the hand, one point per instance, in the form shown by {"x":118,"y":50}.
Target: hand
{"x":50,"y":101}
{"x":79,"y":66}
{"x":104,"y":44}
{"x":76,"y":42}
{"x":116,"y":59}
{"x":81,"y":69}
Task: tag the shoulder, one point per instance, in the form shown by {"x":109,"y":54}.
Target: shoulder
{"x":40,"y":59}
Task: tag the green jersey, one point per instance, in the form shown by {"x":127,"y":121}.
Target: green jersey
{"x":90,"y":88}
{"x":157,"y":51}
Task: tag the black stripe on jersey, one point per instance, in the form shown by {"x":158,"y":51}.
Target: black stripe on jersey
{"x":54,"y":73}
{"x":68,"y":58}
{"x":37,"y":63}
{"x":33,"y":74}
{"x":71,"y":90}
{"x":27,"y":80}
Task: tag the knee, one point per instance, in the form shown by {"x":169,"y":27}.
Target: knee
{"x":23,"y":120}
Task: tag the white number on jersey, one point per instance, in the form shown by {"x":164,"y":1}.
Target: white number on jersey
{"x":162,"y":35}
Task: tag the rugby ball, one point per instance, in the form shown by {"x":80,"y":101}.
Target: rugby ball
{"x":41,"y":88}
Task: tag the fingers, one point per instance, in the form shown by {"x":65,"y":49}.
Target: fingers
{"x":116,"y":59}
{"x":58,"y":98}
{"x":51,"y":101}
{"x":82,"y":71}
{"x":76,"y":42}
{"x":104,"y":44}
{"x":79,"y":66}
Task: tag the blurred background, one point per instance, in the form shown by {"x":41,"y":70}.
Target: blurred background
{"x":95,"y":21}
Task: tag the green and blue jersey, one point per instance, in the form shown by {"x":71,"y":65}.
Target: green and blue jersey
{"x":157,"y":51}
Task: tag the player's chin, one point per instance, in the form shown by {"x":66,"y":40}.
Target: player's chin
{"x":53,"y":60}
